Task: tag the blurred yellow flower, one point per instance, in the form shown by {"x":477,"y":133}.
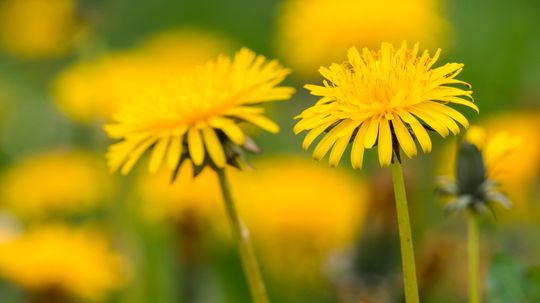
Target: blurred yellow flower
{"x":165,"y":200}
{"x":313,"y":33}
{"x":299,"y":212}
{"x":53,"y":183}
{"x":387,"y":97}
{"x":196,"y":115}
{"x":511,"y":152}
{"x":521,"y":167}
{"x":38,"y":28}
{"x":78,"y":263}
{"x":495,"y":149}
{"x":90,"y":90}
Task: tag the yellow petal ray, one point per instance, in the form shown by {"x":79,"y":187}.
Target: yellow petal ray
{"x":434,"y":58}
{"x":446,"y":110}
{"x":404,"y":137}
{"x":158,"y":153}
{"x":371,"y":133}
{"x":313,"y":134}
{"x":244,"y":110}
{"x":461,"y":102}
{"x":346,"y":127}
{"x":357,"y":150}
{"x":429,"y":120}
{"x":312,"y":122}
{"x":175,"y":151}
{"x":262,"y":122}
{"x":441,"y":118}
{"x":316,"y":90}
{"x":136,"y":154}
{"x":385,"y":143}
{"x":213,"y":146}
{"x":119,"y":152}
{"x":195,"y":146}
{"x":419,"y":131}
{"x":230,"y":129}
{"x":324,"y":145}
{"x":339,"y":148}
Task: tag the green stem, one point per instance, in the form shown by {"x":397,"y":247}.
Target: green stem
{"x":241,"y":234}
{"x":474,"y":259}
{"x":405,"y":238}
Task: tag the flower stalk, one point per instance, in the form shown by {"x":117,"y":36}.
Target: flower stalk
{"x":241,"y":235}
{"x":405,"y":238}
{"x":474,"y":258}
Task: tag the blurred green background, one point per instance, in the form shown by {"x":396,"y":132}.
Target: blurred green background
{"x":184,"y":260}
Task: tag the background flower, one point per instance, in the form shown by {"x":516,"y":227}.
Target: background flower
{"x":300,"y":212}
{"x":315,"y":33}
{"x":512,"y":157}
{"x":38,"y":28}
{"x":77,"y":263}
{"x":91,"y":89}
{"x":55,"y":183}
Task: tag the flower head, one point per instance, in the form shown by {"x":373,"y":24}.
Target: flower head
{"x":314,"y":32}
{"x":388,"y":97}
{"x":476,"y":185}
{"x":55,"y":183}
{"x":510,"y":148}
{"x":90,"y":90}
{"x":293,"y":223}
{"x":38,"y":28}
{"x":196,"y":116}
{"x":78,"y":263}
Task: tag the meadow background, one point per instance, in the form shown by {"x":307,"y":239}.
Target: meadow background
{"x":322,"y":235}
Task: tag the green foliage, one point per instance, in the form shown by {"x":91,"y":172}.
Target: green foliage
{"x":509,"y":280}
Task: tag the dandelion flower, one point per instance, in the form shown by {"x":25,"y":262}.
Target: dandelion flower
{"x":61,"y":183}
{"x":387,"y":98}
{"x":311,"y":33}
{"x":196,"y":116}
{"x":511,"y":165}
{"x":90,"y":90}
{"x":477,"y":183}
{"x":77,"y":263}
{"x":294,"y":225}
{"x":38,"y":28}
{"x":511,"y":152}
{"x":162,"y":200}
{"x":474,"y":191}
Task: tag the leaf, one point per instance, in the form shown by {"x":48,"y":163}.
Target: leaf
{"x":505,"y":281}
{"x":533,"y":284}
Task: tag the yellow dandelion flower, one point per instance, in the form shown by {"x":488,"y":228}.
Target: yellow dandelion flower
{"x":387,"y":98}
{"x":518,"y":168}
{"x":38,"y":28}
{"x":314,"y":32}
{"x":293,"y":224}
{"x":494,"y":149}
{"x":55,"y":182}
{"x":293,"y":221}
{"x":196,"y":116}
{"x":162,"y":200}
{"x":501,"y":139}
{"x":78,"y":263}
{"x":90,"y":90}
